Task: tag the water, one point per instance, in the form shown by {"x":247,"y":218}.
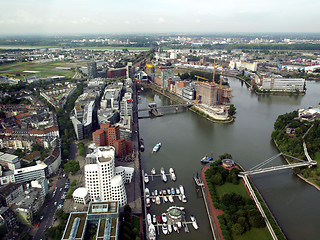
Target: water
{"x":186,"y":137}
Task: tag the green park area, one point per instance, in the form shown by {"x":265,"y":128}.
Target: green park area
{"x":240,"y":219}
{"x":49,"y":69}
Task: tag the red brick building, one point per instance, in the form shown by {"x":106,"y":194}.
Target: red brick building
{"x":99,"y":137}
{"x":109,"y":135}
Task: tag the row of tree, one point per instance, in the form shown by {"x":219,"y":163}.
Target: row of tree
{"x":240,"y":214}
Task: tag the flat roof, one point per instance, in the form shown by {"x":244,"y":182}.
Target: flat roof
{"x":8,"y":157}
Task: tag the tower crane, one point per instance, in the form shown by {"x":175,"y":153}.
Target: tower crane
{"x":197,"y":86}
{"x":220,"y":87}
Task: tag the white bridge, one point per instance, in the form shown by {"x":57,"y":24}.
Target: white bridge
{"x":258,"y":169}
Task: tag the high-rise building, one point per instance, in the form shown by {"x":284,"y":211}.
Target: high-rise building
{"x":92,"y":70}
{"x":100,"y":179}
{"x":208,"y":93}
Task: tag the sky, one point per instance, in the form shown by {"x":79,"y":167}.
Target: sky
{"x":160,"y":16}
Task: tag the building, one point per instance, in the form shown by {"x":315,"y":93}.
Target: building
{"x":117,"y":72}
{"x":105,"y":215}
{"x":283,"y":84}
{"x":28,"y":174}
{"x":81,"y":196}
{"x":8,"y":218}
{"x":125,"y":172}
{"x":9,"y":192}
{"x":27,"y":205}
{"x":92,"y":70}
{"x":111,"y":137}
{"x":240,"y":65}
{"x":100,"y":178}
{"x":99,"y":137}
{"x":126,"y":105}
{"x":167,"y":74}
{"x":78,"y":128}
{"x":9,"y":161}
{"x":42,"y":185}
{"x":208,"y":93}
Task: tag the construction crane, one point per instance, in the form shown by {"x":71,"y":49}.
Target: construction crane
{"x":220,"y":87}
{"x":197,"y":86}
{"x":214,"y":70}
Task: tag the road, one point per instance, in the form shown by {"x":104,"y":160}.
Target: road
{"x":49,"y":209}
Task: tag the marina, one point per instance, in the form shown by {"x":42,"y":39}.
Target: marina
{"x":173,"y":219}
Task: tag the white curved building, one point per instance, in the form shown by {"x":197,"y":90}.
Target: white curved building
{"x":98,"y":177}
{"x":80,"y":195}
{"x":118,"y":190}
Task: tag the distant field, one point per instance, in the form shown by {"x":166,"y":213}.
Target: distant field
{"x":114,"y":48}
{"x":45,"y":69}
{"x":317,"y":157}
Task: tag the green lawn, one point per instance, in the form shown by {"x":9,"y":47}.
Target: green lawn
{"x":46,"y":69}
{"x":317,"y":157}
{"x":232,"y":188}
{"x":254,"y":234}
{"x":136,"y":222}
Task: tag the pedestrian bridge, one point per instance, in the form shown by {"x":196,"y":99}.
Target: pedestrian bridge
{"x":259,"y":168}
{"x":164,"y":107}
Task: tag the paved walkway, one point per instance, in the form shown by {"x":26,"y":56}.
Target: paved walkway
{"x":213,"y":211}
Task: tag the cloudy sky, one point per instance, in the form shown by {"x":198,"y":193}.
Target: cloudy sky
{"x":131,"y":16}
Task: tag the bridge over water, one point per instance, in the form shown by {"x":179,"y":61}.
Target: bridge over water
{"x":259,"y":169}
{"x":165,"y":107}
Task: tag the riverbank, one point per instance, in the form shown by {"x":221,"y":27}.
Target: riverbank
{"x":297,"y":174}
{"x":196,"y":109}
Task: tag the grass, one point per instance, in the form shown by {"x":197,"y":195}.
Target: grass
{"x":232,"y":188}
{"x":114,"y":48}
{"x":317,"y":156}
{"x":254,"y":233}
{"x":136,"y":222}
{"x":46,"y":69}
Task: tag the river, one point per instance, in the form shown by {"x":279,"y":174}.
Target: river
{"x":186,"y":137}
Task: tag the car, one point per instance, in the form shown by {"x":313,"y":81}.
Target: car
{"x":60,"y":189}
{"x":37,"y":225}
{"x":55,"y":203}
{"x":41,"y":218}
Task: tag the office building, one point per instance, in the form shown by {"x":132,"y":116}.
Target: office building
{"x":92,"y":70}
{"x":100,"y":178}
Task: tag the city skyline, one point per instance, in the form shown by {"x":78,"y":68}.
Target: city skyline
{"x":84,"y":16}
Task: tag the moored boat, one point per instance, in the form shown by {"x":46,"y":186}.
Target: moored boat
{"x":147,"y":192}
{"x":179,"y":224}
{"x":194,"y":222}
{"x":177,"y":190}
{"x":162,"y":171}
{"x":154,"y":219}
{"x":152,"y":232}
{"x":165,"y":229}
{"x":172,"y":174}
{"x":149,"y":219}
{"x":164,"y":217}
{"x":170,"y":199}
{"x":165,"y":199}
{"x":175,"y":227}
{"x":146,"y":178}
{"x":159,"y":219}
{"x":173,"y":192}
{"x":184,"y":198}
{"x":206,"y":159}
{"x":158,"y":200}
{"x":156,"y":192}
{"x":153,"y":171}
{"x":164,"y":177}
{"x":181,"y":189}
{"x":169,"y":228}
{"x":148,"y":203}
{"x":169,"y":191}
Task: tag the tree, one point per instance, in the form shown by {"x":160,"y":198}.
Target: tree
{"x":71,"y":166}
{"x":237,"y":229}
{"x":232,"y":110}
